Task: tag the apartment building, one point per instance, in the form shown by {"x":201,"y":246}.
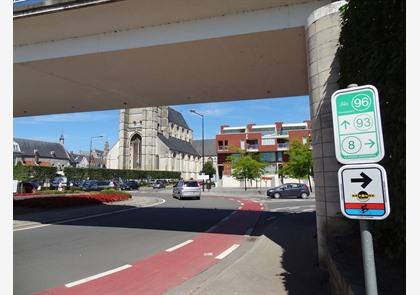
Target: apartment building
{"x":270,"y":141}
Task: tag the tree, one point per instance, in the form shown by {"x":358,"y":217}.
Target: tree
{"x":246,"y":167}
{"x":209,"y":169}
{"x":300,"y":161}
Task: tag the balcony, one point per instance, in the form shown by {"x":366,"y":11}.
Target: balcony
{"x":252,"y":147}
{"x":283,"y":146}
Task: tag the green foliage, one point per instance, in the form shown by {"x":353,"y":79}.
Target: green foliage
{"x":209,"y":169}
{"x":106,"y":174}
{"x":300,"y":161}
{"x":246,"y":167}
{"x":372,"y":51}
{"x":29,"y":173}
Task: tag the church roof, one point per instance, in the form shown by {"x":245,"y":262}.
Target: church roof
{"x":177,"y":118}
{"x":178,"y":145}
{"x":45,"y":149}
{"x":209,"y":147}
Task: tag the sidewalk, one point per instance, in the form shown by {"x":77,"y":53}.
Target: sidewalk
{"x":282,"y":260}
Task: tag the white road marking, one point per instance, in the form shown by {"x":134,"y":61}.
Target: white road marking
{"x":240,"y":208}
{"x":307,"y":210}
{"x":227,"y":251}
{"x":242,"y":204}
{"x":211,"y":228}
{"x":226,"y":218}
{"x":161,"y":201}
{"x":208,"y":254}
{"x":234,"y":212}
{"x":91,"y":278}
{"x":179,"y":246}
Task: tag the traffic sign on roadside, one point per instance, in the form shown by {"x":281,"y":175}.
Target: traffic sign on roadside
{"x":363,"y":191}
{"x":357,"y":125}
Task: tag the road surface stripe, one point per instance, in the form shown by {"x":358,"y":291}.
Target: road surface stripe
{"x":100,"y":275}
{"x":179,"y":246}
{"x":161,"y":201}
{"x":307,"y":210}
{"x":227,"y":251}
{"x":226,"y":218}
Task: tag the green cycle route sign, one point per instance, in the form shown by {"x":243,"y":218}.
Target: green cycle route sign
{"x":357,"y":125}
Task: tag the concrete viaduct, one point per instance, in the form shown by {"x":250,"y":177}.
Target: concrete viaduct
{"x":74,"y":56}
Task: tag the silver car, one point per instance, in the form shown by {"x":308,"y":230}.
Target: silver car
{"x":186,"y":189}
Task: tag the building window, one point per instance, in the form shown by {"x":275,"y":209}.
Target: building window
{"x":157,"y":162}
{"x":16,"y":147}
{"x":135,"y":147}
{"x":268,"y":156}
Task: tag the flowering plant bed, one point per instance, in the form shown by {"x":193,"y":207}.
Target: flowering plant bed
{"x":73,"y":200}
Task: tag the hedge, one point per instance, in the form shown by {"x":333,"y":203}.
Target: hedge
{"x":372,"y":51}
{"x":28,"y":173}
{"x":105,"y":174}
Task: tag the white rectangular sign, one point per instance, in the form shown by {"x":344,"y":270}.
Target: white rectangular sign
{"x":357,"y":125}
{"x":364,"y":191}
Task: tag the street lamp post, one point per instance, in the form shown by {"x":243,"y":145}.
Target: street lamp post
{"x":202,"y":138}
{"x":90,"y":149}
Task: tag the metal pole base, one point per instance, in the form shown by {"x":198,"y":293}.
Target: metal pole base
{"x":368,"y":259}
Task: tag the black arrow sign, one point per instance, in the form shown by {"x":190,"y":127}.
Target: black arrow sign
{"x":365,"y":179}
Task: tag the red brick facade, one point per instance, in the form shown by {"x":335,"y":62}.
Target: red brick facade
{"x":274,"y":148}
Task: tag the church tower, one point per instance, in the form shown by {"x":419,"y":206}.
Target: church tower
{"x":138,"y":137}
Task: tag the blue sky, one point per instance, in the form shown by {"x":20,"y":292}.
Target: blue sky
{"x":79,"y":127}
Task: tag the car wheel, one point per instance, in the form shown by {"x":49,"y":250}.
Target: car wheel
{"x":277,"y":196}
{"x":304,"y":195}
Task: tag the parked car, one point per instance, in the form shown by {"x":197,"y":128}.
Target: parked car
{"x":97,"y":185}
{"x":159,"y":184}
{"x":289,"y":190}
{"x":186,"y":189}
{"x":55,"y":183}
{"x":129,"y":185}
{"x":25,"y":187}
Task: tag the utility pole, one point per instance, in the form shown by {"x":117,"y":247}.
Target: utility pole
{"x":202,"y":138}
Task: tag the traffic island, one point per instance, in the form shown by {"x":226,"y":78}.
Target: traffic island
{"x":68,"y":200}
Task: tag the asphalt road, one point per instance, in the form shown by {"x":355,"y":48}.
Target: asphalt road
{"x":52,"y":256}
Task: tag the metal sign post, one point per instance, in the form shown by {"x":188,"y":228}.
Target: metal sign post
{"x":363,"y":188}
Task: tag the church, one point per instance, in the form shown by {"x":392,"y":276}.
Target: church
{"x":155,"y":138}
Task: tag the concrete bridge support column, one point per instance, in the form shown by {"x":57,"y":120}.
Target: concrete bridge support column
{"x":322,"y":34}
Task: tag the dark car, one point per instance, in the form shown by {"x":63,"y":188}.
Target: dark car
{"x":129,"y":185}
{"x":159,"y":184}
{"x":289,"y":190}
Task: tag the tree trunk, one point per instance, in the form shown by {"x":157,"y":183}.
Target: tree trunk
{"x":245,"y":183}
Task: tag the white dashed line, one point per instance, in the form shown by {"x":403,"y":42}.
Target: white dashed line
{"x":91,"y":278}
{"x":307,"y":210}
{"x":179,"y":246}
{"x":227,"y":251}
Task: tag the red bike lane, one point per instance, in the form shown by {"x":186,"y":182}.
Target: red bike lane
{"x":167,"y":269}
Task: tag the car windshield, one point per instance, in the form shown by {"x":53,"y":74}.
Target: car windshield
{"x":191,"y":184}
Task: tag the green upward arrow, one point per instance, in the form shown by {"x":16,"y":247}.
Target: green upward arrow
{"x":345,"y":123}
{"x":370,"y":143}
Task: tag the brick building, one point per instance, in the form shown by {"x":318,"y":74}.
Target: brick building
{"x":270,"y":141}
